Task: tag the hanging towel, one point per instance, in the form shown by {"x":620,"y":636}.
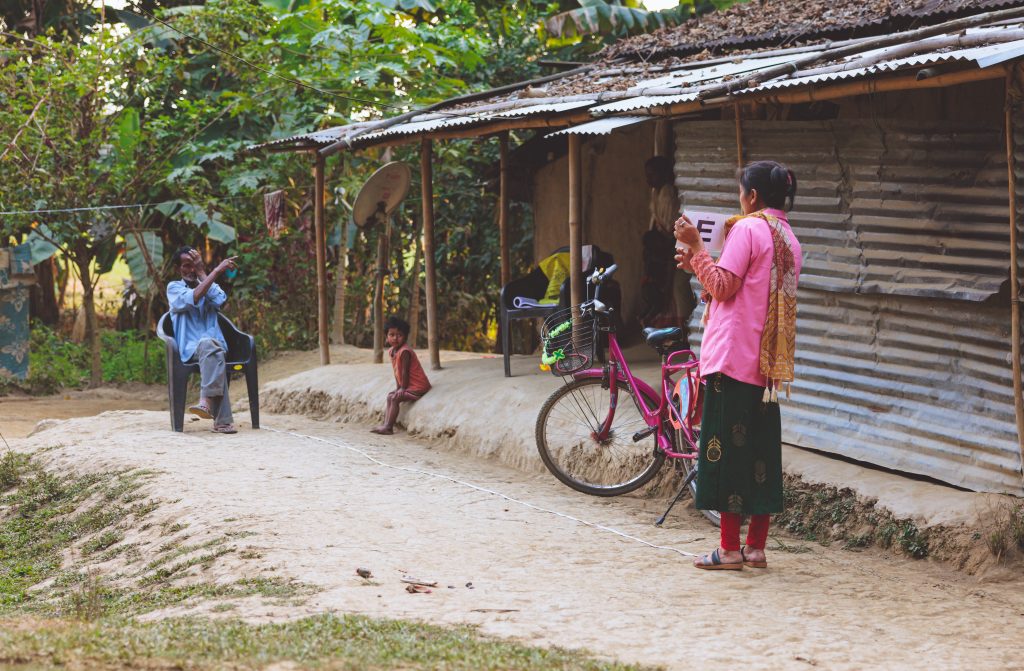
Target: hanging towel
{"x":273,"y":208}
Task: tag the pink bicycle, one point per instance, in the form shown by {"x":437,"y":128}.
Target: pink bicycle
{"x":593,"y":433}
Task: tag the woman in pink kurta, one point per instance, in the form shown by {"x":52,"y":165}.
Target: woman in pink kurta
{"x":746,"y":353}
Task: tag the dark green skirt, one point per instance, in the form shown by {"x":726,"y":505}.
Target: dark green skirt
{"x":739,"y":469}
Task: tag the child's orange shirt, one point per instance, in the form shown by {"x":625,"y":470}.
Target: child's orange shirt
{"x":417,"y":383}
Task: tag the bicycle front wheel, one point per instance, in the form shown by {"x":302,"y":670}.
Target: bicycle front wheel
{"x":569,"y":445}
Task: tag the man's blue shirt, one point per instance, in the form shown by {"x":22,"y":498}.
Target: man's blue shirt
{"x":194,"y":321}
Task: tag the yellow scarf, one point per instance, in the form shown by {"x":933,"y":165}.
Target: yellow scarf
{"x":778,"y":340}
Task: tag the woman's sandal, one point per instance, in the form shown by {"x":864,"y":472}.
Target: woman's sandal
{"x":716,"y":563}
{"x":224,"y":428}
{"x":201,"y":410}
{"x":752,"y":564}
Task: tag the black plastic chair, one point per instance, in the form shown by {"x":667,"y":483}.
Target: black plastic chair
{"x":531,"y":286}
{"x":241,"y":356}
{"x":534,"y":286}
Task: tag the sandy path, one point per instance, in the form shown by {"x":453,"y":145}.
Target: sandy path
{"x":19,"y":414}
{"x":318,"y":511}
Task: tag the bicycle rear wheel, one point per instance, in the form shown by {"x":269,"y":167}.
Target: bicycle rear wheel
{"x":688,"y":465}
{"x":567,"y":428}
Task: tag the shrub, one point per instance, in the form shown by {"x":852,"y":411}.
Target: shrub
{"x":54,"y":362}
{"x":57,"y":363}
{"x":130,"y":356}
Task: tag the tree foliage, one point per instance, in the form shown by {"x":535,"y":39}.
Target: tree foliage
{"x":157,"y":104}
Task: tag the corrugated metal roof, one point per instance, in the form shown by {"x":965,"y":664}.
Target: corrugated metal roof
{"x":982,"y":56}
{"x":690,"y":82}
{"x":544,"y":108}
{"x":601,"y":126}
{"x":688,"y":76}
{"x":643,"y":102}
{"x":326,"y":136}
{"x":686,"y":83}
{"x":415,"y":127}
{"x":899,"y":325}
{"x":778,"y":22}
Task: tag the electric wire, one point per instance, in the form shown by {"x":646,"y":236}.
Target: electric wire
{"x":485,"y":490}
{"x":126,"y":206}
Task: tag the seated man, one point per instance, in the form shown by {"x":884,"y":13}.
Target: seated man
{"x":194,"y":301}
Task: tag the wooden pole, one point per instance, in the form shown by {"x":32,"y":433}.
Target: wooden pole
{"x":506,"y":258}
{"x":427,"y":193}
{"x":321,"y":261}
{"x":414,"y":291}
{"x":341,"y":282}
{"x":575,"y":217}
{"x":739,"y":135}
{"x":383,"y":226}
{"x":341,"y":287}
{"x":1015,"y":345}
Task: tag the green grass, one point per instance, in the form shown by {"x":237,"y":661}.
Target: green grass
{"x":43,"y":515}
{"x":42,"y":520}
{"x":324,"y":641}
{"x":825,"y":514}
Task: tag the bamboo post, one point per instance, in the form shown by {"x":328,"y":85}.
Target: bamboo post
{"x":1015,"y":345}
{"x":383,"y":225}
{"x":341,"y":283}
{"x":575,"y":216}
{"x":739,"y":134}
{"x":414,"y":291}
{"x":427,"y":193}
{"x":663,"y":138}
{"x":341,"y":286}
{"x":321,"y":260}
{"x":506,"y":258}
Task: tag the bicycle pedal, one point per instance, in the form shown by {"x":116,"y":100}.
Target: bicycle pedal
{"x":640,"y":435}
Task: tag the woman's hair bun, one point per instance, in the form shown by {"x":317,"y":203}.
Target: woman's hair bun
{"x":774,"y":183}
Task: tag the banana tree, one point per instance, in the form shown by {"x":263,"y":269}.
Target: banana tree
{"x":613,"y":19}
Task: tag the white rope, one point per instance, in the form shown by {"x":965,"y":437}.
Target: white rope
{"x":441,"y":476}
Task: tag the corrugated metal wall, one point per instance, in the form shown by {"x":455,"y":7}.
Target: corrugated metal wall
{"x":903,"y":335}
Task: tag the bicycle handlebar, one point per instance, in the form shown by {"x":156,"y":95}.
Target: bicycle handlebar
{"x":600,"y":275}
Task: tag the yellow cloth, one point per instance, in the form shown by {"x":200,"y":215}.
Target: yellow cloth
{"x":778,"y":340}
{"x":556,"y":268}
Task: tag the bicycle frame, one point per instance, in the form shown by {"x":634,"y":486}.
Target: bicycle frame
{"x":658,"y":417}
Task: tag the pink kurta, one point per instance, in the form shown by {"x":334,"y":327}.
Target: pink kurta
{"x":732,"y":337}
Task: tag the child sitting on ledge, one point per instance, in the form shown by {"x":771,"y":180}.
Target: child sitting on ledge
{"x":411,"y":381}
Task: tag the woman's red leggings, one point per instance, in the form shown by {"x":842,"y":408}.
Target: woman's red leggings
{"x":757,"y":532}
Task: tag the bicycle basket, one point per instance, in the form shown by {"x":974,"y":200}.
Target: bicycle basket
{"x":569,"y":345}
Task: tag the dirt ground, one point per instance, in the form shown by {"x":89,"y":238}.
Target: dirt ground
{"x":19,"y":414}
{"x":510,"y":547}
{"x":313,"y":508}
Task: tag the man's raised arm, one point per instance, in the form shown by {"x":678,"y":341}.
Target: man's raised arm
{"x":206,"y":281}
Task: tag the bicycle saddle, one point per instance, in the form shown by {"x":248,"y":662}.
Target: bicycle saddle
{"x":656,"y":337}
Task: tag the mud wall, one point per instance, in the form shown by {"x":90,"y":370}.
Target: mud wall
{"x":616,"y":209}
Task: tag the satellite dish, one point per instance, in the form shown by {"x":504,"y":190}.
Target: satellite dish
{"x":382,"y":193}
